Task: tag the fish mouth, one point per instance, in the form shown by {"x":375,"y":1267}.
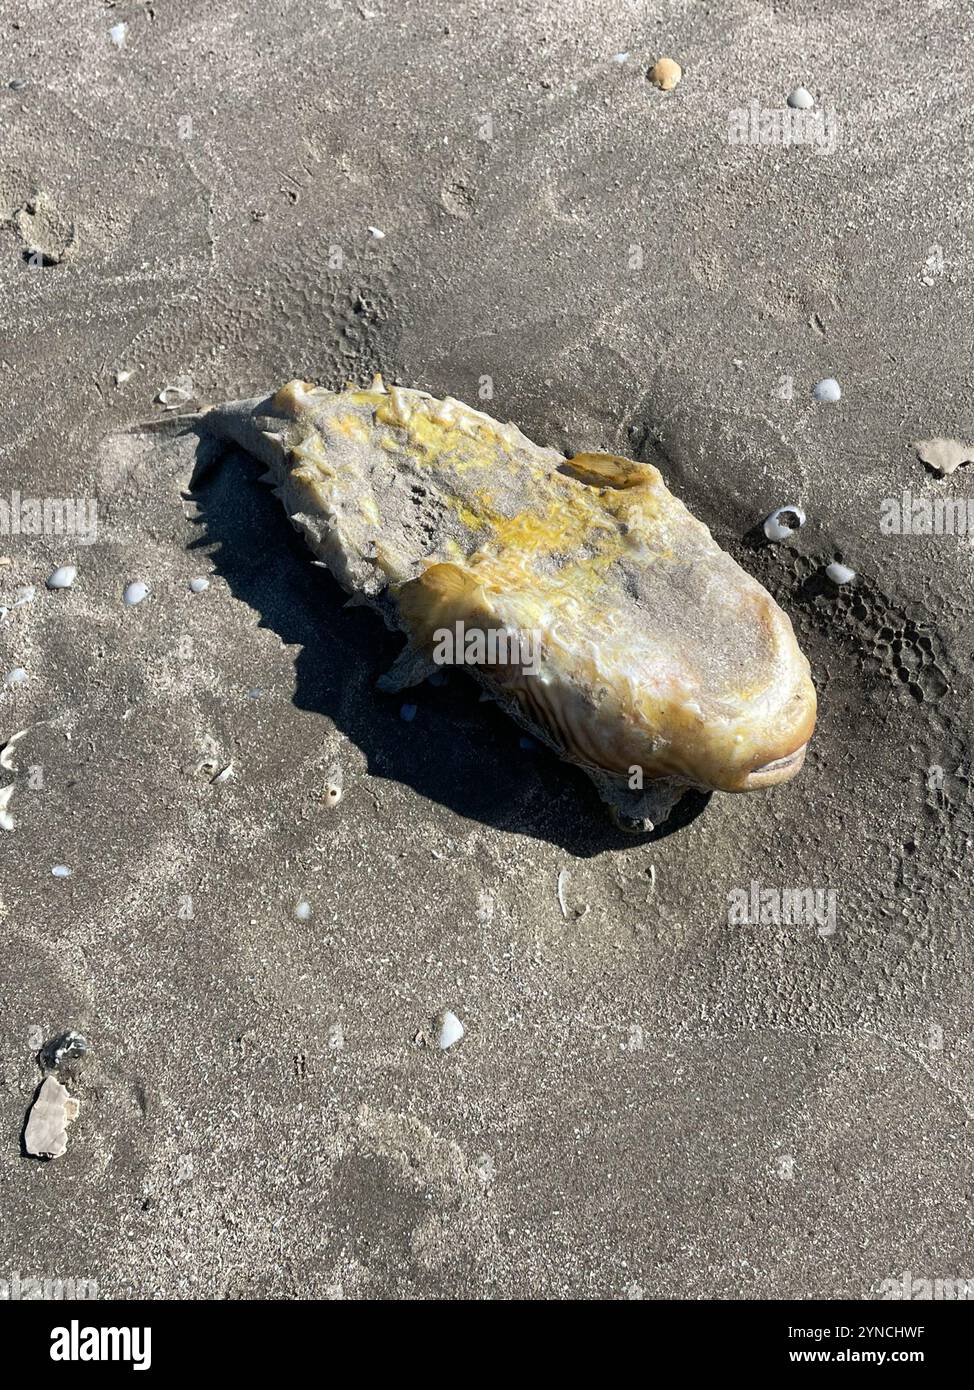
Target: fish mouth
{"x":780,"y":770}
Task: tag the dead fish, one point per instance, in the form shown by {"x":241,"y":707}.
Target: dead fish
{"x":658,"y":664}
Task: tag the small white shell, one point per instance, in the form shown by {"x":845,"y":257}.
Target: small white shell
{"x":450,"y":1030}
{"x":840,"y":574}
{"x":177,"y":393}
{"x":199,"y":584}
{"x":135,"y":593}
{"x":828,"y":389}
{"x":62,"y":578}
{"x":61,"y":871}
{"x":15,"y":676}
{"x":776,"y":527}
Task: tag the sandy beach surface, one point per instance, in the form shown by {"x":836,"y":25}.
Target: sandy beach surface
{"x":651,"y":1099}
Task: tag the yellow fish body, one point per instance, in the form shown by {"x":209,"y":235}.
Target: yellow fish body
{"x":655,"y":661}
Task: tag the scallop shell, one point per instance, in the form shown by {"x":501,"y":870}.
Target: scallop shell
{"x":657,"y":663}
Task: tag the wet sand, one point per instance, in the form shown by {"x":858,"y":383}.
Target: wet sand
{"x":650,"y":1098}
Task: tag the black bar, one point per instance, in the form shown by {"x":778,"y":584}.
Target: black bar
{"x":730,"y":1337}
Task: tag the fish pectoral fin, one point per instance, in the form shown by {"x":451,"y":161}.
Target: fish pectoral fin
{"x":411,"y":667}
{"x":444,"y":594}
{"x":610,"y":470}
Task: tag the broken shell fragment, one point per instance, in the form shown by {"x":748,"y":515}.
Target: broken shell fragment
{"x":609,"y":623}
{"x":6,"y":819}
{"x":69,"y":1047}
{"x":562,"y":884}
{"x":7,"y":750}
{"x":783,"y":523}
{"x":945,"y":455}
{"x":53,"y":1110}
